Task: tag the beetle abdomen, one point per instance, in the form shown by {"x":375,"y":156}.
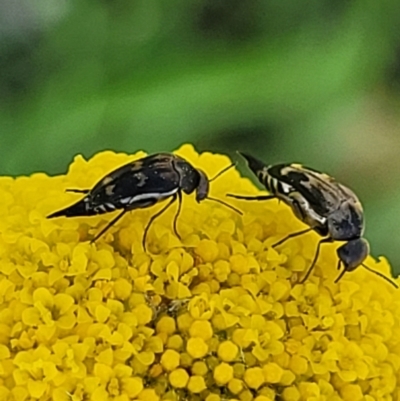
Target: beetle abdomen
{"x":80,"y":208}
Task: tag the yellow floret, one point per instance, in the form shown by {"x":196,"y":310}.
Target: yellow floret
{"x":36,"y":388}
{"x":143,"y":314}
{"x":132,"y":386}
{"x":298,"y":365}
{"x":246,"y":395}
{"x":122,"y":289}
{"x":186,"y":360}
{"x":184,"y":322}
{"x":235,"y":386}
{"x":175,"y":342}
{"x":254,"y":377}
{"x":202,"y":329}
{"x":207,"y":250}
{"x":179,"y":378}
{"x":199,"y":368}
{"x":166,"y":325}
{"x":288,"y":377}
{"x":197,"y":347}
{"x":308,"y":390}
{"x":239,"y":369}
{"x":351,"y":392}
{"x":156,"y":370}
{"x":223,"y":373}
{"x":170,"y":359}
{"x":291,"y":394}
{"x":239,"y":264}
{"x":148,"y":395}
{"x":227,"y":351}
{"x":213,"y":397}
{"x":196,"y":384}
{"x":221,"y":270}
{"x":272,"y":372}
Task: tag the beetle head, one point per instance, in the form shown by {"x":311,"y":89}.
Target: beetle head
{"x":203,"y":186}
{"x":353,"y":253}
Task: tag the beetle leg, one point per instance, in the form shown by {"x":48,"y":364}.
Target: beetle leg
{"x":296,"y":234}
{"x":175,"y":225}
{"x":252,"y":198}
{"x":160,"y":212}
{"x":310,"y":269}
{"x":109,"y":225}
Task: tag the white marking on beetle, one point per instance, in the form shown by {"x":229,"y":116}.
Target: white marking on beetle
{"x":286,"y":188}
{"x":125,"y":201}
{"x":152,"y":195}
{"x":100,"y":208}
{"x":312,"y":213}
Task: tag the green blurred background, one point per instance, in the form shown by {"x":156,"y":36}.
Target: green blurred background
{"x":315,"y":81}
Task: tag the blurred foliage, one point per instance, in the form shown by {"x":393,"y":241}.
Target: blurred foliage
{"x":314,"y":81}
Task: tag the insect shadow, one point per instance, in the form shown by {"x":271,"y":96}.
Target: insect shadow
{"x":327,"y":207}
{"x":141,"y":184}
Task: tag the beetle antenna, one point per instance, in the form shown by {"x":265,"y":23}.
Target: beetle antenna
{"x":222,"y":172}
{"x":225,"y":204}
{"x":380,"y":275}
{"x":341,"y":273}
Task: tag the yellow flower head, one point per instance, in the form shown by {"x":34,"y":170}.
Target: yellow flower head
{"x":217,"y":314}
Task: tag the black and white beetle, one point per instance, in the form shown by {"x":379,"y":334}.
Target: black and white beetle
{"x":140,"y":184}
{"x":325,"y":206}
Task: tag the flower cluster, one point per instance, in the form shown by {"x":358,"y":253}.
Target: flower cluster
{"x":216,"y":315}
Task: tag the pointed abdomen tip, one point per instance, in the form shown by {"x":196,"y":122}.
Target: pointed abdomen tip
{"x":254,"y":164}
{"x":77,"y":209}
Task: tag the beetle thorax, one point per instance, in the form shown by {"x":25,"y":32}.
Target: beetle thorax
{"x":346,"y":223}
{"x":188,"y":175}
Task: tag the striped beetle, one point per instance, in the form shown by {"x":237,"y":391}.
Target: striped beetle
{"x":329,"y":208}
{"x":141,"y":184}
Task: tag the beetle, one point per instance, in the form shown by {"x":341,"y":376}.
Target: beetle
{"x":140,"y":184}
{"x":327,"y":207}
